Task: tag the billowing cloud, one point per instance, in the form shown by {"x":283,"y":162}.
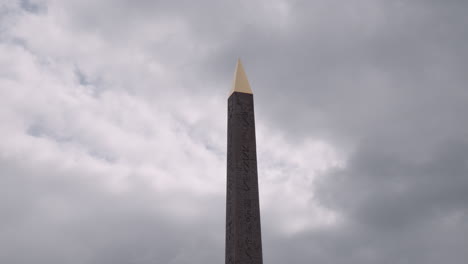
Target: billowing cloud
{"x":113,"y":129}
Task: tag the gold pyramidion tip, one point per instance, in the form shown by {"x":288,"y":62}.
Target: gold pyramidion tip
{"x":240,"y":84}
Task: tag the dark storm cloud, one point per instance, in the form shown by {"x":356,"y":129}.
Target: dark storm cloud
{"x":395,"y":211}
{"x":359,"y":66}
{"x":385,"y":191}
{"x":383,"y":82}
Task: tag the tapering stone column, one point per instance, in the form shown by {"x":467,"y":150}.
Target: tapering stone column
{"x":243,"y":232}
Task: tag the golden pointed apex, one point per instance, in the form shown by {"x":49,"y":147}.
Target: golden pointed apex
{"x":240,"y":83}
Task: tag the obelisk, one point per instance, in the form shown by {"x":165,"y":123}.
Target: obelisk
{"x":243,"y":235}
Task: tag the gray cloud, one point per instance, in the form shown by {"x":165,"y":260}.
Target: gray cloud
{"x":66,"y":216}
{"x":113,"y":129}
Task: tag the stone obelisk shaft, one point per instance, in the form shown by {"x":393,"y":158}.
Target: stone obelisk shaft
{"x":243,"y":234}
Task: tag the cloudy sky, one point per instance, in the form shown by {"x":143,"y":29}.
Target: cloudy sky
{"x":113,"y":129}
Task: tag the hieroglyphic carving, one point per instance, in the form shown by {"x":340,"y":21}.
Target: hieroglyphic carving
{"x":243,"y":236}
{"x":247,"y":203}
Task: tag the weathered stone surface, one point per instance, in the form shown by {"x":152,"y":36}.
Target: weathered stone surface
{"x":243,"y":234}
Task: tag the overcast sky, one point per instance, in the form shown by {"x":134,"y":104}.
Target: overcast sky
{"x":113,"y":129}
